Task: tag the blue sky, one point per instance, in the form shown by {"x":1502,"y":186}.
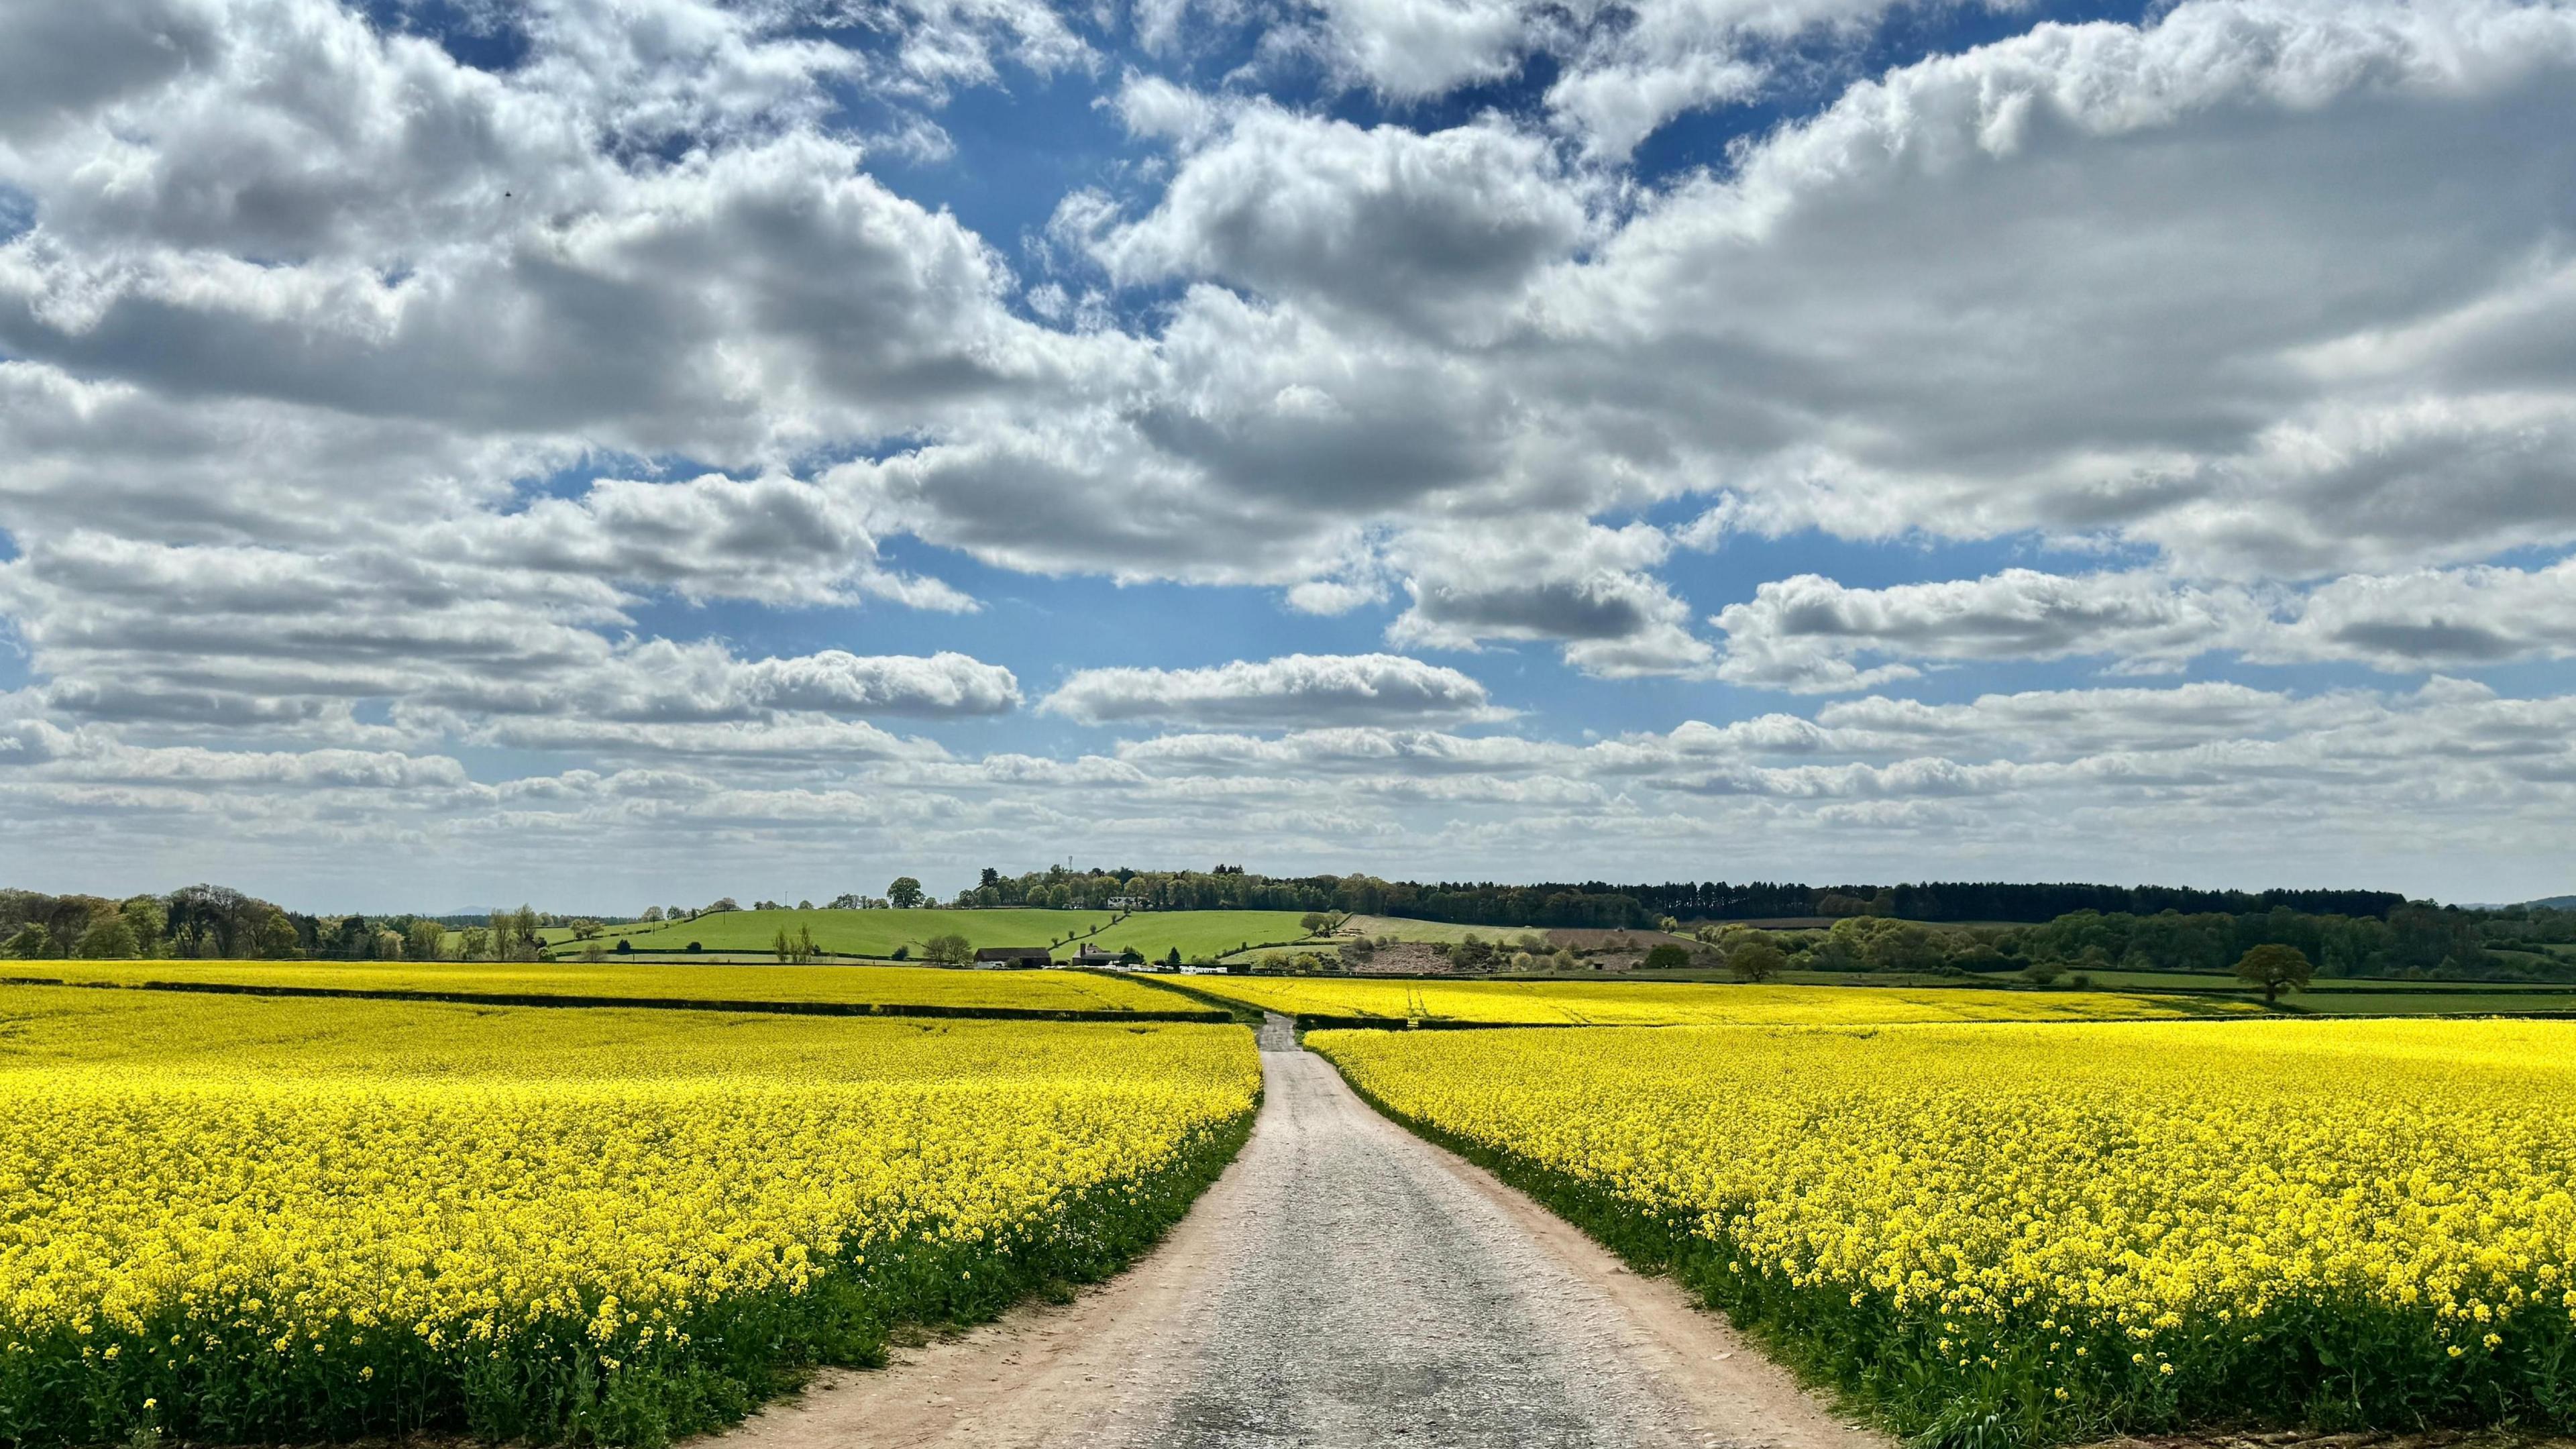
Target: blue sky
{"x":706,"y":449}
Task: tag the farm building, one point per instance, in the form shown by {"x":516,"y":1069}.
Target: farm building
{"x":1007,"y":958}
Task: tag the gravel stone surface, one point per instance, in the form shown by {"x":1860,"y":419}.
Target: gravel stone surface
{"x":1380,"y":1299}
{"x":1345,"y":1284}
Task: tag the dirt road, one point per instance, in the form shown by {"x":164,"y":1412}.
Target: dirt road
{"x":1344,"y":1284}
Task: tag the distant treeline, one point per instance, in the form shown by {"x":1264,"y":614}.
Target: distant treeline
{"x":1984,"y":900}
{"x":212,"y":922}
{"x":199,"y":921}
{"x":2417,"y":940}
{"x":1595,"y":903}
{"x":1601,"y":904}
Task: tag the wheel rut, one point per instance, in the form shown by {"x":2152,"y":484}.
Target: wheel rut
{"x":1343,"y":1284}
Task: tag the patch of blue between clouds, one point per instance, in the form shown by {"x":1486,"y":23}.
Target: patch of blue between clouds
{"x":1042,"y":629}
{"x":574,"y":480}
{"x":1805,"y":74}
{"x":1808,"y":72}
{"x":485,"y":36}
{"x":16,"y":667}
{"x":1045,"y":628}
{"x":1027,"y":141}
{"x":17,"y":213}
{"x":1021,"y":148}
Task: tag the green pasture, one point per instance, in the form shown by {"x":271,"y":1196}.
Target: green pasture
{"x":852,"y":933}
{"x":880,"y":933}
{"x":2539,"y":955}
{"x":1375,"y":927}
{"x":1196,"y":933}
{"x":1260,"y":956}
{"x":1441,"y":932}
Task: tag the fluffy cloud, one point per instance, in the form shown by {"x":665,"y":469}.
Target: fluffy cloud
{"x":1434,"y":230}
{"x":368,"y":412}
{"x":637,"y":318}
{"x":399,"y":236}
{"x":1293,"y":691}
{"x":1585,"y":585}
{"x":1621,"y":71}
{"x":237,"y":636}
{"x":2114,"y":279}
{"x":60,"y":61}
{"x":771,"y":538}
{"x":1811,"y":634}
{"x":2063,"y":781}
{"x":2095,"y":281}
{"x":1803,"y":633}
{"x":95,"y":755}
{"x":2456,"y":618}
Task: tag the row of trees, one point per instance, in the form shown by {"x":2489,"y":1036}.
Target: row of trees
{"x":1599,"y":904}
{"x":1857,"y":944}
{"x":1603,"y":905}
{"x":2415,"y":941}
{"x":218,"y":923}
{"x":2081,"y":926}
{"x":201,"y":921}
{"x":1951,"y":901}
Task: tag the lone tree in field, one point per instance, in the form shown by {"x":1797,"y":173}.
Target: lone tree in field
{"x":1756,"y":961}
{"x":951,"y":950}
{"x":2273,"y":967}
{"x":905,"y":893}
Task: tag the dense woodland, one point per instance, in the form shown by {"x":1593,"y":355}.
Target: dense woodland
{"x":1598,"y":904}
{"x":2413,"y":941}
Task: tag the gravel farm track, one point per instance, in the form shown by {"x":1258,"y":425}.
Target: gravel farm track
{"x":1343,"y":1284}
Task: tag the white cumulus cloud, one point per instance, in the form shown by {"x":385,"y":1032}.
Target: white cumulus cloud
{"x":1292,"y":691}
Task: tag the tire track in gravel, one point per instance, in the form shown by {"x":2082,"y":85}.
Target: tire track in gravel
{"x":1343,"y":1284}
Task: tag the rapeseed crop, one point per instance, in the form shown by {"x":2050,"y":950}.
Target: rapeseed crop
{"x":240,"y":1219}
{"x":2040,"y":1233}
{"x":906,"y":985}
{"x":1662,"y":1003}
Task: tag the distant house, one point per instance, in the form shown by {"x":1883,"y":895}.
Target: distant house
{"x":1010,"y":958}
{"x":1128,"y":903}
{"x":1090,"y":955}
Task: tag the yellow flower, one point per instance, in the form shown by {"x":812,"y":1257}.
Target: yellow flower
{"x":312,"y":1175}
{"x":2183,"y":1187}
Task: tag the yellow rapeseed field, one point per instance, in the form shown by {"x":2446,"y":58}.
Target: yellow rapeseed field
{"x":2032,"y":1233}
{"x":1676,"y":1003}
{"x":238,"y":1218}
{"x":907,"y":985}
